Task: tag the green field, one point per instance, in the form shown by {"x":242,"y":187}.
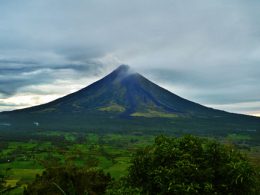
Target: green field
{"x":22,"y":159}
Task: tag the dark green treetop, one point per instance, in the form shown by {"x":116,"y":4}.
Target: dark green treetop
{"x":191,"y":165}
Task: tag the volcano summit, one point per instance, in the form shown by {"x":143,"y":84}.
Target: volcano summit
{"x":125,"y":101}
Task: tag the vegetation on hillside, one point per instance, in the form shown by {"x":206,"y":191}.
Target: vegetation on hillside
{"x":186,"y":165}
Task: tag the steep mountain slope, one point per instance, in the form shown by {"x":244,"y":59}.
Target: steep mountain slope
{"x":125,"y":93}
{"x":125,"y":100}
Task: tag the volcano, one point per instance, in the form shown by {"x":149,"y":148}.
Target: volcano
{"x":126,"y":101}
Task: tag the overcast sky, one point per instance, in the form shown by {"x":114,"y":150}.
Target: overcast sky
{"x":207,"y":51}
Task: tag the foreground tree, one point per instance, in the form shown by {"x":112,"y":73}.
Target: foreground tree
{"x":70,"y":181}
{"x":191,"y":165}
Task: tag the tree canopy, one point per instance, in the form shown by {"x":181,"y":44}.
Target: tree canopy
{"x":185,"y":165}
{"x":191,"y":165}
{"x":69,"y":180}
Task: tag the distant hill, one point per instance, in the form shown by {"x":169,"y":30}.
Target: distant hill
{"x":126,"y":101}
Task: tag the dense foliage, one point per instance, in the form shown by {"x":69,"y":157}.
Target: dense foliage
{"x":191,"y":165}
{"x":69,"y":180}
{"x":186,"y":165}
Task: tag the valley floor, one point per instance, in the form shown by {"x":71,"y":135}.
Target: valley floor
{"x":21,"y":159}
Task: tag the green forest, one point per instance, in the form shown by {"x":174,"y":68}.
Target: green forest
{"x":71,"y":163}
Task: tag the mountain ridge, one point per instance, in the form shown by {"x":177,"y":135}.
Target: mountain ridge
{"x":126,"y":100}
{"x":121,"y":74}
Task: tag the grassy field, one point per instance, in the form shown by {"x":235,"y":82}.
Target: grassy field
{"x":112,"y":152}
{"x":22,"y":160}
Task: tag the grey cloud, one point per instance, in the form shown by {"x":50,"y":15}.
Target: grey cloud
{"x":18,"y":76}
{"x":208,"y":50}
{"x":11,"y":105}
{"x":216,"y":85}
